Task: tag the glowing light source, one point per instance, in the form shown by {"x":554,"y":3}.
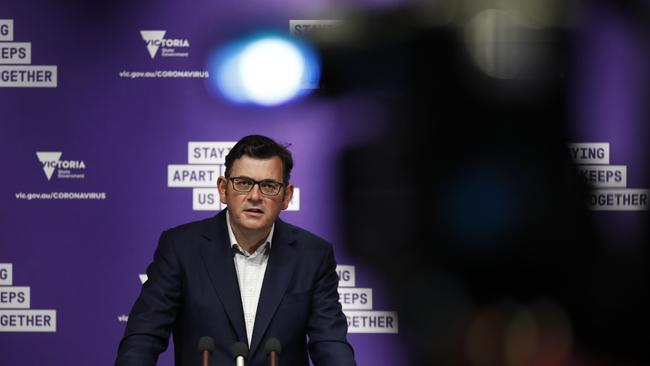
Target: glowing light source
{"x":266,"y":70}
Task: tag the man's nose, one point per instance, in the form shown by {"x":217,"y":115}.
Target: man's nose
{"x":255,"y":193}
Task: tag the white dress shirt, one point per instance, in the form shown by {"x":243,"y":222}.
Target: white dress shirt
{"x":250,"y":274}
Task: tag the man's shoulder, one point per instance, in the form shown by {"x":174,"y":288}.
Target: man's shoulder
{"x":304,"y":237}
{"x":194,"y":228}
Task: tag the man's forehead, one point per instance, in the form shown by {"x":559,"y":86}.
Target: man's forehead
{"x":267,"y":168}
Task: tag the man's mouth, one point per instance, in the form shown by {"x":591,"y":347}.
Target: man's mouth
{"x":254,"y":210}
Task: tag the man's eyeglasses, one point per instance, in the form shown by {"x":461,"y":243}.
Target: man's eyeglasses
{"x":267,"y":187}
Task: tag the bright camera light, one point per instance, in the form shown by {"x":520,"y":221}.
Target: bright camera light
{"x":267,"y":70}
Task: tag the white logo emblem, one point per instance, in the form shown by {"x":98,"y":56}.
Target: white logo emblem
{"x":49,"y":159}
{"x":153,"y":38}
{"x":66,"y":169}
{"x":169,"y":47}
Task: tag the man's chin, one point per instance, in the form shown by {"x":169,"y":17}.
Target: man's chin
{"x":255,"y":224}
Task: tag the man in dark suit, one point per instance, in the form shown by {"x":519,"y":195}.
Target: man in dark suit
{"x":243,"y":275}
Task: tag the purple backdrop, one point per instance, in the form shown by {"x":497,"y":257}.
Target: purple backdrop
{"x":82,"y":257}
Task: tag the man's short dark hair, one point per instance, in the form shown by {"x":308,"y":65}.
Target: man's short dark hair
{"x":260,"y":147}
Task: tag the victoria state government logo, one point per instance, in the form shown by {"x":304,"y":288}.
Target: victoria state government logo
{"x":155,"y":39}
{"x":66,"y":169}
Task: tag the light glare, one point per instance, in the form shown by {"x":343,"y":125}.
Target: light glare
{"x":271,"y":71}
{"x":267,"y":70}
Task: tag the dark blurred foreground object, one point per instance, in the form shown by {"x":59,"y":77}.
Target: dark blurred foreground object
{"x":468,"y":204}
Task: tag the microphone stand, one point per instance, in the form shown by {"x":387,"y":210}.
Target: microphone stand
{"x":205,"y":358}
{"x":273,"y":358}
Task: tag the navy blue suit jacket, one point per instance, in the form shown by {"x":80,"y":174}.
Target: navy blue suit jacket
{"x":192,"y":291}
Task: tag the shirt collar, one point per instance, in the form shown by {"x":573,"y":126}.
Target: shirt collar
{"x":235,"y":245}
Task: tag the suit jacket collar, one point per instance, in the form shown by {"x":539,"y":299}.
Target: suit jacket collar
{"x":279,"y":271}
{"x":217,"y":256}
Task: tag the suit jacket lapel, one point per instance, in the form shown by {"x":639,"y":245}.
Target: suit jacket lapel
{"x":217,"y":257}
{"x":279,"y":270}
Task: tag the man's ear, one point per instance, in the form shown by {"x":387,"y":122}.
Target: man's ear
{"x":222,"y":185}
{"x":288,"y":194}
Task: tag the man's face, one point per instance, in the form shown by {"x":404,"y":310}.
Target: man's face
{"x":253,"y":212}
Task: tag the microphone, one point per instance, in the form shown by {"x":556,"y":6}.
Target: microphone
{"x":206,"y":347}
{"x":239,"y":353}
{"x":273,"y":349}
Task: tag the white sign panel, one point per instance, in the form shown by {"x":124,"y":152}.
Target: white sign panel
{"x":589,"y":152}
{"x":360,"y":321}
{"x":6,"y":274}
{"x":27,"y":320}
{"x":14,"y":297}
{"x":603,"y":176}
{"x":205,"y":199}
{"x":13,"y":53}
{"x":211,"y":152}
{"x":355,"y":298}
{"x":347,"y":277}
{"x":627,"y":199}
{"x":200,"y":176}
{"x":302,"y":27}
{"x":31,"y":76}
{"x":6,"y":29}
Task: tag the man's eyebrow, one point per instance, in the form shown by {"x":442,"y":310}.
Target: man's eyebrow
{"x":261,"y":180}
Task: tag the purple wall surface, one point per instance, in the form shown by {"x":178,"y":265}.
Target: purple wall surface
{"x":85,"y":192}
{"x":610,"y":94}
{"x":85,"y":159}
